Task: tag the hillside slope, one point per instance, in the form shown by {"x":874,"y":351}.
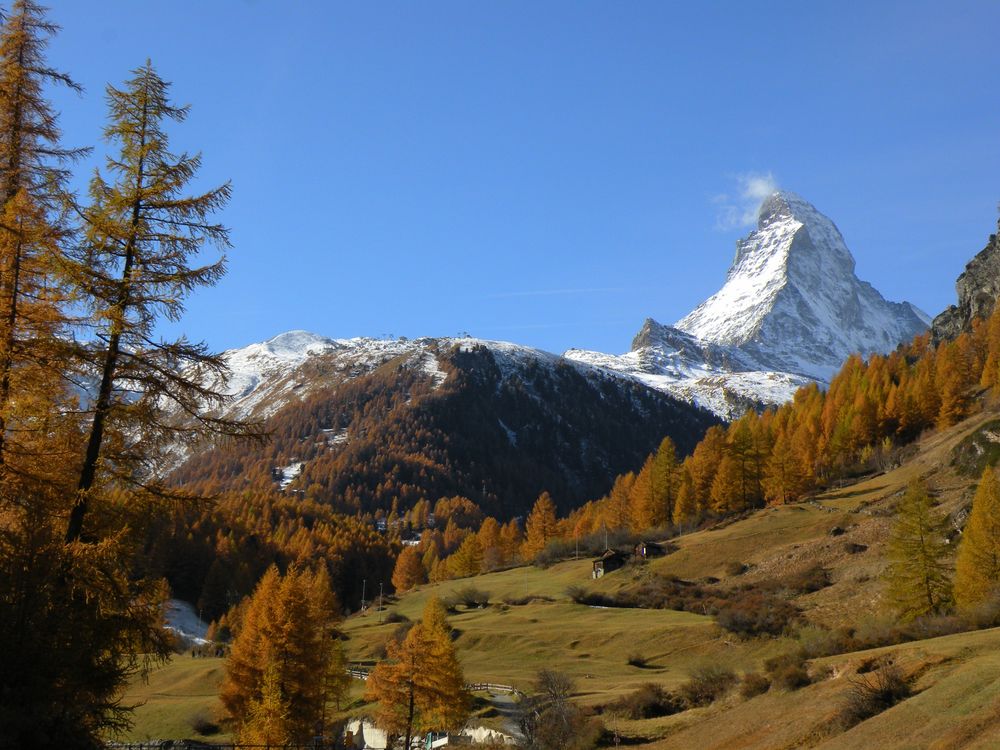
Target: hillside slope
{"x":364,"y":424}
{"x":532,"y":623}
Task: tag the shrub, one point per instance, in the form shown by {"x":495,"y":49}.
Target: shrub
{"x":520,"y":601}
{"x":396,"y":617}
{"x":986,"y":614}
{"x":806,"y":581}
{"x":470,"y":597}
{"x":647,"y":702}
{"x":816,"y":641}
{"x":788,"y":671}
{"x":707,"y":684}
{"x":874,"y":692}
{"x":877,"y":630}
{"x":736,"y":568}
{"x":754,"y":683}
{"x":755,"y":613}
{"x":202,"y":723}
{"x":635,"y":659}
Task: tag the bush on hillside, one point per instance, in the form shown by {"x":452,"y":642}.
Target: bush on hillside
{"x":648,"y":701}
{"x":756,"y":613}
{"x":806,"y":581}
{"x":636,"y":659}
{"x":788,"y":671}
{"x":734,"y":569}
{"x":707,"y":684}
{"x":874,"y":692}
{"x":468,"y":596}
{"x":753,"y":684}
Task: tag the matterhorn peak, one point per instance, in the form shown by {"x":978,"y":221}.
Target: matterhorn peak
{"x":792,"y":301}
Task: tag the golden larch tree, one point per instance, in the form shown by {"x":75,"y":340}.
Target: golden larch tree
{"x":977,"y":566}
{"x":144,"y":241}
{"x":541,"y":526}
{"x":419,"y":686}
{"x":287,"y":629}
{"x":409,"y":571}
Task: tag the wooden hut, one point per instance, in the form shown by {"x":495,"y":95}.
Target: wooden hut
{"x":610,"y":560}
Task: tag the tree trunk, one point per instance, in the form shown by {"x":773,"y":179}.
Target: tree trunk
{"x":88,"y":473}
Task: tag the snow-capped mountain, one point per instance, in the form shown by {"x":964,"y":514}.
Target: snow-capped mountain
{"x":792,"y":301}
{"x":790,"y":312}
{"x":266,"y":376}
{"x":366,"y":422}
{"x":722,"y":379}
{"x":363,"y":422}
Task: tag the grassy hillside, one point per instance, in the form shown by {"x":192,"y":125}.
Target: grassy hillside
{"x":956,"y":678}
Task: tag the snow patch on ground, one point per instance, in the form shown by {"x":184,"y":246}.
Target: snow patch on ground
{"x":336,"y":437}
{"x":288,"y":474}
{"x":511,"y":435}
{"x":182,"y":619}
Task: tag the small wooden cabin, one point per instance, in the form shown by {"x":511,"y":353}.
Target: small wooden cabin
{"x":649,"y":550}
{"x":610,"y":560}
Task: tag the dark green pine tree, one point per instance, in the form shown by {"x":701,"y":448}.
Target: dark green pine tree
{"x":143,"y":237}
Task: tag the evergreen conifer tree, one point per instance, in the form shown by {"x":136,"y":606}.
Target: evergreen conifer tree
{"x":918,"y":574}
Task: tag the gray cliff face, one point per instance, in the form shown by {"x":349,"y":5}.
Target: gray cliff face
{"x":978,"y":289}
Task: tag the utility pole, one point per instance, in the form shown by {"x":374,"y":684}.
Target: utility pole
{"x":380,"y":603}
{"x":364,"y":586}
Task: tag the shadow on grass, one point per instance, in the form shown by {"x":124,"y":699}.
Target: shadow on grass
{"x":852,"y":493}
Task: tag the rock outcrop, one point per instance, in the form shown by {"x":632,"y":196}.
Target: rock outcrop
{"x":978,"y":289}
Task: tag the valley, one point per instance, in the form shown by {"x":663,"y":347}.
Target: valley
{"x":531,"y":622}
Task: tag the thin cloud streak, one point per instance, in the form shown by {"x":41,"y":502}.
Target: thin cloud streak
{"x":540,"y":326}
{"x":556,"y":292}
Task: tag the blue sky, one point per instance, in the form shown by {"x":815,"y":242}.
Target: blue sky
{"x":551,"y":173}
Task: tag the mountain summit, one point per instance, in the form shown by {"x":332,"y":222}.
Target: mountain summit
{"x":792,"y":301}
{"x":790,"y":312}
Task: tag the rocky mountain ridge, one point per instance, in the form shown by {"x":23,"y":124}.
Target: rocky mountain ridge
{"x":978,"y":288}
{"x":364,"y":424}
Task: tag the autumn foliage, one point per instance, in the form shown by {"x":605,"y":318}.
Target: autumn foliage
{"x":420,"y":685}
{"x":285,"y":663}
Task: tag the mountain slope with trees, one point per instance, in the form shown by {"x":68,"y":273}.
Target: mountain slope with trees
{"x":493,"y":423}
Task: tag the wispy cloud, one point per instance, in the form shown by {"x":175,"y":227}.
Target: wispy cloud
{"x":566,"y":324}
{"x":738,"y":208}
{"x":556,"y":292}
